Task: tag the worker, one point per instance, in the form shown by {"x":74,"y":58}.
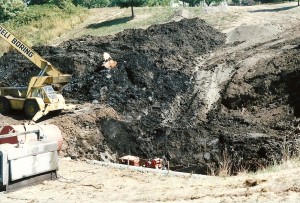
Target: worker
{"x":108,"y":63}
{"x":106,"y":57}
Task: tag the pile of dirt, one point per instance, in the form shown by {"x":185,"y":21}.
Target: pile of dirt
{"x":151,"y":88}
{"x":180,"y":14}
{"x":152,"y":98}
{"x":253,"y":32}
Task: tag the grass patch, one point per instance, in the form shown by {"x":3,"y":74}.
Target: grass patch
{"x":145,"y":16}
{"x":37,"y":25}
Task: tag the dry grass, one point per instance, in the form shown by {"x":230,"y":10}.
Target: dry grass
{"x":43,"y":29}
{"x":109,"y":21}
{"x":289,"y":159}
{"x":82,"y":182}
{"x":54,"y":29}
{"x":4,"y":47}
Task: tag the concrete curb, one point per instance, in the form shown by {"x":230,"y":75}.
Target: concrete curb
{"x":147,"y":170}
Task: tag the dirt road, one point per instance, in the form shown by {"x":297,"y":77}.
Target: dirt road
{"x":82,"y":182}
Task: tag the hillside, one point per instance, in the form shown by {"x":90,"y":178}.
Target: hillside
{"x":182,"y":89}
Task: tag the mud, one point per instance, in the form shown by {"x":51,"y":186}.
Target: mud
{"x":167,"y":98}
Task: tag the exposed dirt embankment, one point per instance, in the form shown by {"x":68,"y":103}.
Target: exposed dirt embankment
{"x":163,"y":100}
{"x":265,"y":96}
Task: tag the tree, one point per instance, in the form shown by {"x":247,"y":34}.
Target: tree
{"x":10,"y":8}
{"x":192,"y":3}
{"x":270,"y":1}
{"x":158,"y":2}
{"x":130,"y":3}
{"x":59,"y":3}
{"x":92,"y":3}
{"x":33,"y":2}
{"x":209,"y":2}
{"x":236,"y":2}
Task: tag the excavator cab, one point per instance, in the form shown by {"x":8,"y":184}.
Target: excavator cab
{"x":36,"y":92}
{"x":50,"y":94}
{"x":47,"y":93}
{"x":42,"y":100}
{"x":39,"y":102}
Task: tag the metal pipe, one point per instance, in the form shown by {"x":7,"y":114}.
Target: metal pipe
{"x":41,"y":73}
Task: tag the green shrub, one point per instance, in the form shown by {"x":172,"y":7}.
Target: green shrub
{"x":10,"y":8}
{"x":209,"y":2}
{"x":158,"y":2}
{"x":64,"y":4}
{"x":92,"y":3}
{"x":270,"y":1}
{"x":38,"y":2}
{"x":236,"y":2}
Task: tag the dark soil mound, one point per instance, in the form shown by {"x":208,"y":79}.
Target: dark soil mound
{"x":153,"y":89}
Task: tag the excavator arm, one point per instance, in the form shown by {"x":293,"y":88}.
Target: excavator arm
{"x":40,"y":99}
{"x":35,"y":58}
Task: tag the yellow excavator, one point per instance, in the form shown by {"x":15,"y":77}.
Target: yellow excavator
{"x":39,"y":98}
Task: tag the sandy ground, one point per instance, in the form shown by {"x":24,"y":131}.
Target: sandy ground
{"x":82,"y":182}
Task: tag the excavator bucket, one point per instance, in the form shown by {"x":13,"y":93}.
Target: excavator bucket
{"x":42,"y":113}
{"x":38,"y":115}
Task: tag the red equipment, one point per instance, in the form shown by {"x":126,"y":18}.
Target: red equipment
{"x":154,"y":163}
